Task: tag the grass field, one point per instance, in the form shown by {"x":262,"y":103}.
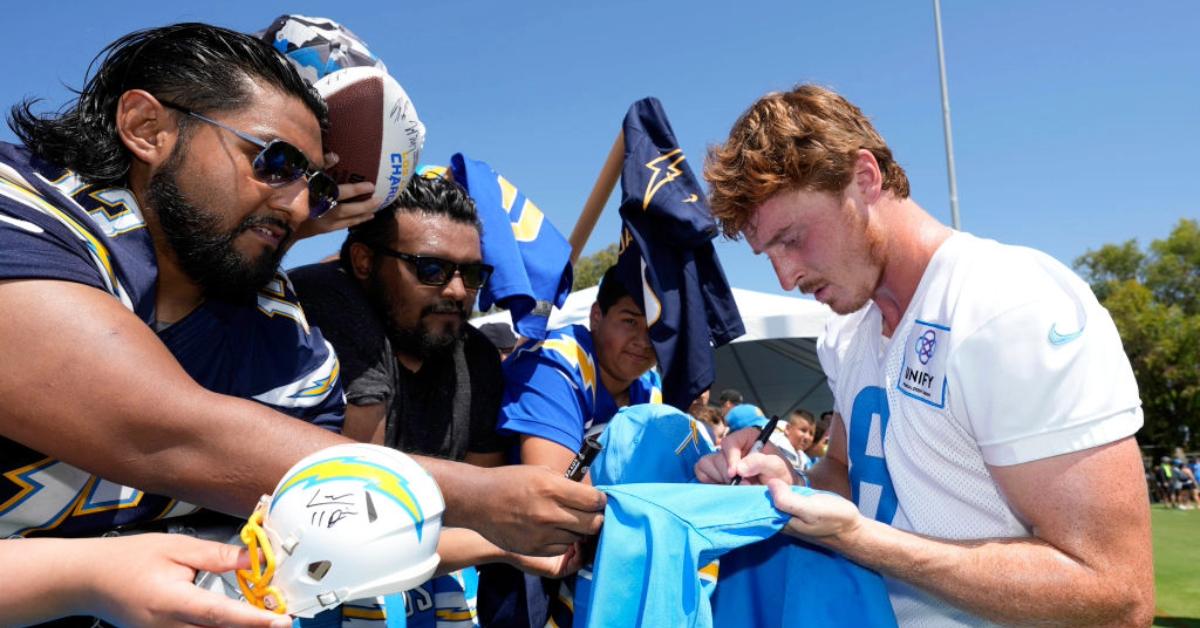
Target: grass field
{"x":1177,"y":566}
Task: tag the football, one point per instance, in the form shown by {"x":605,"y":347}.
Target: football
{"x":373,"y":128}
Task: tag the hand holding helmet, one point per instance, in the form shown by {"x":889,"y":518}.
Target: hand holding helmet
{"x":348,"y":522}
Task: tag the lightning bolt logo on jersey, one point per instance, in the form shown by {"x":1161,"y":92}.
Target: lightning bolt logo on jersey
{"x":55,"y":225}
{"x":552,"y":390}
{"x":667,"y":262}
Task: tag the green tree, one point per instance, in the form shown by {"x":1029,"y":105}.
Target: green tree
{"x":589,"y":269}
{"x":1154,"y":299}
{"x":1173,"y":270}
{"x":1110,"y":265}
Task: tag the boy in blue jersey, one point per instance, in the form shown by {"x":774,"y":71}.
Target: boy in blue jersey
{"x":557,"y":392}
{"x":140,"y":230}
{"x":569,"y":385}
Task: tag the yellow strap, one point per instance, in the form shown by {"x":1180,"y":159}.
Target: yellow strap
{"x":255,"y":582}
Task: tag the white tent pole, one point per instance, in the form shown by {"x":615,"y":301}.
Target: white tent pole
{"x":937,"y":21}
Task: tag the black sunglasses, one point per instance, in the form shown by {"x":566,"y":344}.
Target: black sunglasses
{"x":435,"y":271}
{"x":279,"y":163}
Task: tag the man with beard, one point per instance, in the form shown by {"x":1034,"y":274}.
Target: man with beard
{"x":418,"y":377}
{"x":139,"y":233}
{"x":987,"y":409}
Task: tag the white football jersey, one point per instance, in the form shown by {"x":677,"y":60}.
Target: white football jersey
{"x":1004,"y":356}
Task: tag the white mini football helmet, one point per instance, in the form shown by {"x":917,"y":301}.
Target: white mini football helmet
{"x":348,"y":522}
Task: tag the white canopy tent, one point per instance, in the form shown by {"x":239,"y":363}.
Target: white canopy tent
{"x":774,"y":365}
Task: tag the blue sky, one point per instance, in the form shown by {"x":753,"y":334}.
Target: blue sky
{"x":1074,"y":123}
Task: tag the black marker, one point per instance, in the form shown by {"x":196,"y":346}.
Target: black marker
{"x":583,"y":460}
{"x":762,"y":439}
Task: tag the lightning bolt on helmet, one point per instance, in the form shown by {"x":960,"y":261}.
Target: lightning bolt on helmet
{"x":348,"y":522}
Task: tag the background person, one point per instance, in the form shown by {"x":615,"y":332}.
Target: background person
{"x":800,"y":429}
{"x":712,"y":420}
{"x":557,"y":392}
{"x":502,"y":337}
{"x":418,"y":377}
{"x":820,"y":443}
{"x":729,"y":398}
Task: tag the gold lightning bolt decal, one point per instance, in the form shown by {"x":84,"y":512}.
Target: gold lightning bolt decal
{"x":375,"y":478}
{"x":529,"y":224}
{"x":675,"y":157}
{"x":576,"y":356}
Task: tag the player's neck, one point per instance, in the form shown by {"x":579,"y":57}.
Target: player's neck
{"x":913,"y":236}
{"x":176,"y":294}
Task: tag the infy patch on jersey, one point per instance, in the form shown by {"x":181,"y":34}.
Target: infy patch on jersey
{"x":923,"y":368}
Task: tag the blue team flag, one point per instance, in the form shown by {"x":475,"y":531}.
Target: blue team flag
{"x":532,"y":259}
{"x":667,"y":259}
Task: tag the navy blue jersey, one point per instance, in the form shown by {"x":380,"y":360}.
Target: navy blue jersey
{"x":54,"y":225}
{"x":667,"y":260}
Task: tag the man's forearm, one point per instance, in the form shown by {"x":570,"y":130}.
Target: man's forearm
{"x":460,"y":547}
{"x":1017,"y":580}
{"x":458,"y":485}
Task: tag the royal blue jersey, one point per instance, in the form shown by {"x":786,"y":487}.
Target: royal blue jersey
{"x":54,"y":225}
{"x":553,"y":389}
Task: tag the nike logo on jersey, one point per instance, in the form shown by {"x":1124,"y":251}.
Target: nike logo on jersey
{"x":1062,"y":339}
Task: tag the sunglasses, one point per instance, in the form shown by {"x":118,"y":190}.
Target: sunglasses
{"x":279,"y":163}
{"x":435,"y":271}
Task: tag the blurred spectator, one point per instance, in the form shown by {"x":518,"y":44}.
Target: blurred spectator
{"x":1166,"y":479}
{"x":728,"y":399}
{"x":712,"y":420}
{"x":801,"y":430}
{"x":1188,"y":496}
{"x":502,"y":337}
{"x":820,"y":443}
